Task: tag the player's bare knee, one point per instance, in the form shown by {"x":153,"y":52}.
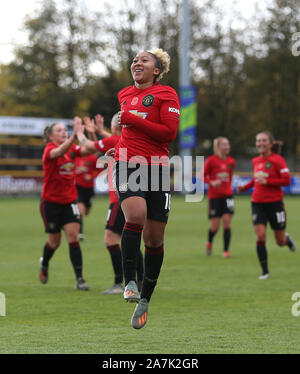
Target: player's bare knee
{"x":137,"y":218}
{"x":153,"y":243}
{"x":281,"y":241}
{"x":54,"y":243}
{"x":260,"y":238}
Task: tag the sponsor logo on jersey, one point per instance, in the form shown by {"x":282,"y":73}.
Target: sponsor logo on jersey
{"x":148,"y":100}
{"x":139,"y":114}
{"x":222,"y":175}
{"x":67,"y":168}
{"x":174,"y":110}
{"x":261,"y":173}
{"x":81,"y":169}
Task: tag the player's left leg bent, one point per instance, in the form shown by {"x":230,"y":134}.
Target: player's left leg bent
{"x":277,"y":219}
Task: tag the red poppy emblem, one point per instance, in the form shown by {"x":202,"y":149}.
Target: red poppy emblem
{"x":134,"y":101}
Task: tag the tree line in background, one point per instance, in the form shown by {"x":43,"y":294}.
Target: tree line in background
{"x":247,"y":79}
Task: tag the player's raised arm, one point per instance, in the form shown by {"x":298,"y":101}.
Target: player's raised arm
{"x":87,"y":145}
{"x":57,"y":133}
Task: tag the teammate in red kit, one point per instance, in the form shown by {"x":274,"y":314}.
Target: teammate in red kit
{"x":218,"y":170}
{"x":58,"y":206}
{"x":85,"y":173}
{"x":149,"y":118}
{"x":115,"y":217}
{"x":270,"y":173}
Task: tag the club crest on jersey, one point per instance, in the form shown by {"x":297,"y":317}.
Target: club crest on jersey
{"x":148,"y":100}
{"x":268,"y":165}
{"x":134,"y":101}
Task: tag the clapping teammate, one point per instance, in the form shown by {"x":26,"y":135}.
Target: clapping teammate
{"x":58,"y":206}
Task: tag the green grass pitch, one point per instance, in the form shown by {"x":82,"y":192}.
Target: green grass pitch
{"x":201,"y":304}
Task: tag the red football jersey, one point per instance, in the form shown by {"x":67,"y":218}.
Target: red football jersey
{"x":276,"y":172}
{"x":59,"y":175}
{"x":216,"y":168}
{"x":151,"y":119}
{"x":86,"y":170}
{"x":103,"y":146}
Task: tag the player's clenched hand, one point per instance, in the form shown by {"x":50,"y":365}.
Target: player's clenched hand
{"x":111,"y":152}
{"x":216,"y":183}
{"x":261,"y":179}
{"x":119,"y":118}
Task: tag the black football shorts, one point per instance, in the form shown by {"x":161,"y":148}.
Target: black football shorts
{"x":152,"y":183}
{"x":220,"y":206}
{"x":85,"y":195}
{"x":273,"y":212}
{"x":115,"y":219}
{"x":55,"y":216}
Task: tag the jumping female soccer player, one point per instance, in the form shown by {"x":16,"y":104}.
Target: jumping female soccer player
{"x":218,"y":170}
{"x":58,"y":206}
{"x":270,"y":173}
{"x":149,"y":118}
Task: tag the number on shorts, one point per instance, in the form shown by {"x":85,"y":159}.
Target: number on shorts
{"x":168,"y":201}
{"x":280,"y":217}
{"x":75,"y":209}
{"x":230,"y":203}
{"x":108,"y":214}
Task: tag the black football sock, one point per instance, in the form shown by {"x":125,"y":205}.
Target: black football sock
{"x":289,"y":242}
{"x":76,"y":258}
{"x":130,"y":244}
{"x":116,"y":259}
{"x":211,"y":235}
{"x":262,"y":255}
{"x":140,"y":267}
{"x":226,"y":238}
{"x":153,"y":262}
{"x":47,"y":254}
